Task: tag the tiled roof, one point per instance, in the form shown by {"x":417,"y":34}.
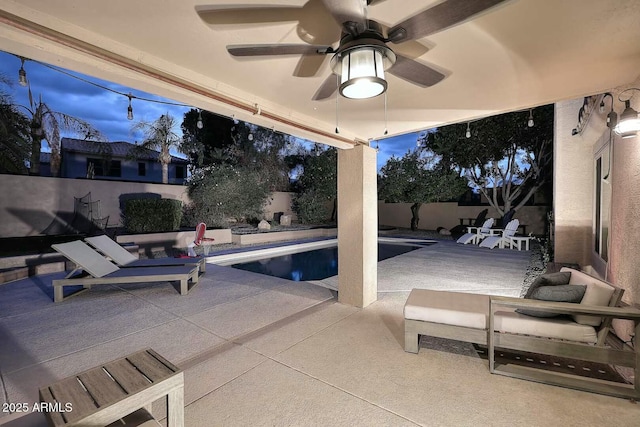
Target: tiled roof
{"x":117,"y":149}
{"x":45,"y":157}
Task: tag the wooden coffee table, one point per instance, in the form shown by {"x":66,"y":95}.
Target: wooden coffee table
{"x":112,"y":391}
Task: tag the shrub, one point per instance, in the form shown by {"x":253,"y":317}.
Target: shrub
{"x":152,"y":215}
{"x":311,"y":207}
{"x":224,"y":192}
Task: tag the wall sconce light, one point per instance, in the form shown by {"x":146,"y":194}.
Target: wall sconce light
{"x":612,"y":117}
{"x":468,"y":134}
{"x":530,"y":123}
{"x":629,"y":123}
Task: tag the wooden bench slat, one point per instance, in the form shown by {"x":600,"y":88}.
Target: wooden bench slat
{"x":127,"y":376}
{"x":101,"y":387}
{"x":150,"y":366}
{"x":69,"y":390}
{"x":55,"y":418}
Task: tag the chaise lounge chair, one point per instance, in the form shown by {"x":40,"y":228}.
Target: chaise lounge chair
{"x":100,"y":271}
{"x":475,"y":234}
{"x":123,"y":258}
{"x":503,"y":239}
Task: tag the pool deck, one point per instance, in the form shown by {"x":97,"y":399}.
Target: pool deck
{"x":258,"y":350}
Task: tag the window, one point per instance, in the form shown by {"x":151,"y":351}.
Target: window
{"x":142,"y":169}
{"x":180,"y":172}
{"x":102,"y":167}
{"x":602,"y":203}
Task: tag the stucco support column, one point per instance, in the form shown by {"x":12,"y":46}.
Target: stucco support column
{"x":357,"y":226}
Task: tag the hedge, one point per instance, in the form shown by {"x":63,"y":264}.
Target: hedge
{"x":152,"y":215}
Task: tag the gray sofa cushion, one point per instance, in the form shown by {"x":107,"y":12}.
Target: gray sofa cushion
{"x":549,"y":279}
{"x":557,"y":293}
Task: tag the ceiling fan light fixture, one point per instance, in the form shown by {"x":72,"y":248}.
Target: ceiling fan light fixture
{"x":361,"y":69}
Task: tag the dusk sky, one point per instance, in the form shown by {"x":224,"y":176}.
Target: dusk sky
{"x":107,"y":111}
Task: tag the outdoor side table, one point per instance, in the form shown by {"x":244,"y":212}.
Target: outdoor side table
{"x":516,"y":241}
{"x":112,"y":391}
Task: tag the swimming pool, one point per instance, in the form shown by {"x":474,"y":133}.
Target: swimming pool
{"x":315,"y":264}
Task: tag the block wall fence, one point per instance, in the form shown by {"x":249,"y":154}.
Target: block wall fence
{"x":34,"y":205}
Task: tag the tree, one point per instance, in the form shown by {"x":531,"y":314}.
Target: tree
{"x":45,"y":125}
{"x":417,"y":179}
{"x":226,"y":141}
{"x":318,"y":186}
{"x":263,"y":150}
{"x":160,"y":135}
{"x":15,"y":149}
{"x":221,"y":192}
{"x":506,"y":160}
{"x":206,"y":146}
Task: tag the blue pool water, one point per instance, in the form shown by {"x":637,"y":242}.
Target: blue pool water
{"x":314,"y":265}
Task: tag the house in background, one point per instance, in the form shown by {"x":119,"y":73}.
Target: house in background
{"x":120,"y":161}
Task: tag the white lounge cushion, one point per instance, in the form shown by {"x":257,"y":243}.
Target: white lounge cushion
{"x":559,"y":328}
{"x":598,"y":293}
{"x":450,"y":308}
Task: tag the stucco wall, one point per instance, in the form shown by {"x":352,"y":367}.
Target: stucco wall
{"x":624,"y":242}
{"x":279,"y":202}
{"x":447,"y":215}
{"x":574,"y":200}
{"x":32,"y":205}
{"x":572,"y":186}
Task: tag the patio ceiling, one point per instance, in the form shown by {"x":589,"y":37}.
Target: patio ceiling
{"x":520,"y":54}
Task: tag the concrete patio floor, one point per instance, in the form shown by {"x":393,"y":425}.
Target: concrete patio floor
{"x":258,"y":350}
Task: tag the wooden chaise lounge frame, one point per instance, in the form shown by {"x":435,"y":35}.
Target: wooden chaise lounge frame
{"x":103,"y":272}
{"x":598,"y":353}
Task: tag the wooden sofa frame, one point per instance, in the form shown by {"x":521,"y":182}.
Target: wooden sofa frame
{"x":574,"y":350}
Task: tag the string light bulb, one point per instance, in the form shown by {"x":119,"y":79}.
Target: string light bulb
{"x":199,"y":124}
{"x":468,"y":134}
{"x":129,"y":108}
{"x":530,"y":123}
{"x":22,"y":74}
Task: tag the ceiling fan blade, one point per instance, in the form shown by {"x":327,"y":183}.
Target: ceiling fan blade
{"x":415,"y":72}
{"x":328,"y":87}
{"x":309,"y":65}
{"x":277,"y":49}
{"x":348,"y":11}
{"x":230,"y":14}
{"x":438,"y":18}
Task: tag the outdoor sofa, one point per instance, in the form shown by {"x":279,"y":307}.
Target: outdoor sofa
{"x":494,"y":322}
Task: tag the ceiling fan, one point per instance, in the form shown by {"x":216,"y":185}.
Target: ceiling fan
{"x":363,"y":53}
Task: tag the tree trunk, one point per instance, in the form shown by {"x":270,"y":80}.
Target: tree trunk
{"x":415,"y":215}
{"x":55,"y":161}
{"x":36,"y":147}
{"x":165,"y":173}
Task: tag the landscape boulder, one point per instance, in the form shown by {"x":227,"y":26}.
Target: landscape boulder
{"x":264,"y":225}
{"x":285,"y":220}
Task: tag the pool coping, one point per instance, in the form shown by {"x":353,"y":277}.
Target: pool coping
{"x":228,"y":259}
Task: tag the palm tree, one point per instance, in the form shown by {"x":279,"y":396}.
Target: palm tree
{"x":46,"y":124}
{"x":160,"y":135}
{"x":14,"y":135}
